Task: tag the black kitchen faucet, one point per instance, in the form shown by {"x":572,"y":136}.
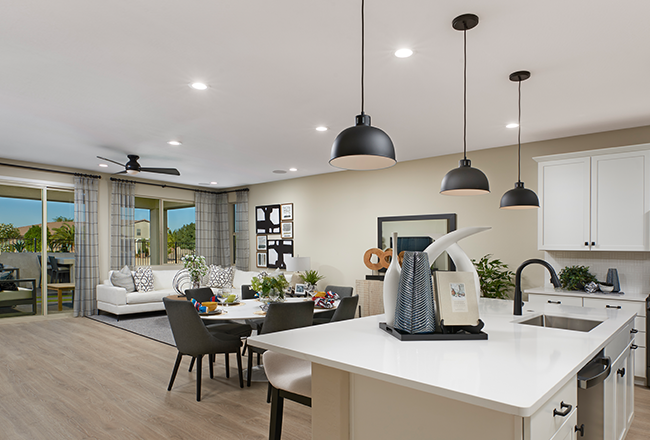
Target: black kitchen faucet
{"x":554,"y":279}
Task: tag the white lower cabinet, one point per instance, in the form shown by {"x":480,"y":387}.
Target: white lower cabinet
{"x":568,"y":430}
{"x":555,"y":300}
{"x":550,"y":419}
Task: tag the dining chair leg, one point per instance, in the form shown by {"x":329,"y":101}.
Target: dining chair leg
{"x":250,"y":367}
{"x":268,"y":393}
{"x":176,"y":365}
{"x":259,"y":357}
{"x":239,"y":370}
{"x":227,"y":365}
{"x":211,"y":362}
{"x":191,"y":365}
{"x":277,"y":404}
{"x":198,"y":377}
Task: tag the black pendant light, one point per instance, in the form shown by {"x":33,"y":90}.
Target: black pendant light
{"x":362,"y":147}
{"x":519,"y":197}
{"x":465,"y":180}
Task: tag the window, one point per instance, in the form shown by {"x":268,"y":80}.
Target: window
{"x":180,"y":222}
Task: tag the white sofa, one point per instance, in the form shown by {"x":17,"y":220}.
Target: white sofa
{"x":117,"y":301}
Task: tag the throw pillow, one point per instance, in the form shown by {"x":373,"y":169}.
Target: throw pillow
{"x":123,"y":278}
{"x":143,"y":278}
{"x":5,"y":284}
{"x":222,"y":277}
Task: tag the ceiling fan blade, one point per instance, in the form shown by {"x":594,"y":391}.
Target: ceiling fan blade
{"x":172,"y":171}
{"x":110,"y":160}
{"x":121,"y":172}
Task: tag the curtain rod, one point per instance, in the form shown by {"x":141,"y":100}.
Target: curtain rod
{"x":115,"y":179}
{"x":50,"y":171}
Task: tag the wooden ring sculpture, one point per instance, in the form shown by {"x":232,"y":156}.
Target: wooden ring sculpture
{"x":383,"y":257}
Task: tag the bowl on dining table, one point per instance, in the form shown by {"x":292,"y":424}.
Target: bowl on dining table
{"x":210,"y":305}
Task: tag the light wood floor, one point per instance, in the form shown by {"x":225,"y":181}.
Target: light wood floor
{"x":66,"y":378}
{"x":80,"y":379}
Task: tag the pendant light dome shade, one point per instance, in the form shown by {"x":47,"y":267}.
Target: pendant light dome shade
{"x":519,"y":197}
{"x":465,"y":181}
{"x":363,"y":147}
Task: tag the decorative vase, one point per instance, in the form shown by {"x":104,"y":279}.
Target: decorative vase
{"x":310,"y":288}
{"x":196,"y":283}
{"x":415,"y":311}
{"x":391,"y":284}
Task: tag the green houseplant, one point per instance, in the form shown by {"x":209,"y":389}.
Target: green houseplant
{"x":195,"y":265}
{"x":494,"y":277}
{"x":311,"y":278}
{"x":576,"y":277}
{"x":270,"y":288}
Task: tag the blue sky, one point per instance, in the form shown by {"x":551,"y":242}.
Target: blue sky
{"x":23,"y":212}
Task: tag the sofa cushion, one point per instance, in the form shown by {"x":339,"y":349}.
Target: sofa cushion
{"x":143,"y":278}
{"x":243,"y":277}
{"x":123,"y":278}
{"x":147,"y":297}
{"x":163,"y":278}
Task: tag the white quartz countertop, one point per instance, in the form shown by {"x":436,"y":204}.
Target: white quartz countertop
{"x":515,"y":371}
{"x":550,"y":290}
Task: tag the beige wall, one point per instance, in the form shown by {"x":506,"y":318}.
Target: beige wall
{"x":335,"y":215}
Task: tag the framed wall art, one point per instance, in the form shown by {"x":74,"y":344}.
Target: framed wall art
{"x":287,"y":230}
{"x":267,"y":219}
{"x":277,"y":251}
{"x":261,"y":242}
{"x":287,"y":212}
{"x":261,"y":259}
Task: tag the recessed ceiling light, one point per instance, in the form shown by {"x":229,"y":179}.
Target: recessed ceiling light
{"x":321,"y":128}
{"x":103,"y":165}
{"x":512,"y":125}
{"x":213,"y":183}
{"x":199,"y":86}
{"x":403,"y":53}
{"x":293,"y":169}
{"x":175,"y":143}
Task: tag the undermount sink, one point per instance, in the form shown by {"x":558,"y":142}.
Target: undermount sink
{"x":562,"y":322}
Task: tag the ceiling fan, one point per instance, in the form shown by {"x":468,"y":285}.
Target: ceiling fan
{"x":133,"y":167}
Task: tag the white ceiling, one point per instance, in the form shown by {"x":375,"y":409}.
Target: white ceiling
{"x":83,"y":78}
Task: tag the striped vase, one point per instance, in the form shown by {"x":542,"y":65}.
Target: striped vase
{"x":415,"y":312}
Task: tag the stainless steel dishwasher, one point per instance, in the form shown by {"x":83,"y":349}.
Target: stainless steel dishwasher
{"x":591,"y":395}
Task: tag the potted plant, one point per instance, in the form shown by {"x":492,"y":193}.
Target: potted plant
{"x":576,"y":277}
{"x":195,"y":265}
{"x":494,"y":277}
{"x":270,"y":289}
{"x":311,"y":278}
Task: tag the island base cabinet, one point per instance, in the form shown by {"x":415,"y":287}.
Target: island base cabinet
{"x":370,"y":409}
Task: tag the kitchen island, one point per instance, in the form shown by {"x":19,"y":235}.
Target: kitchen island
{"x":367,"y":384}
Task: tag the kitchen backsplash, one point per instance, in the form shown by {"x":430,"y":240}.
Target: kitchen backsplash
{"x":633,"y":267}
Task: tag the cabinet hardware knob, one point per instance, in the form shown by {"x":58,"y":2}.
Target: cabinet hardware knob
{"x":621,"y":372}
{"x":554,"y":302}
{"x":634,"y":346}
{"x":567,"y":409}
{"x":613,"y":307}
{"x":593,"y":243}
{"x":634,"y":331}
{"x":581,"y":430}
{"x":586,"y":243}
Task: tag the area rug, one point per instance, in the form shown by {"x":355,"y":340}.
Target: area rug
{"x":154,"y":325}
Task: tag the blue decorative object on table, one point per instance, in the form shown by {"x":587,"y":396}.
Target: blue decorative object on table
{"x":415,"y":312}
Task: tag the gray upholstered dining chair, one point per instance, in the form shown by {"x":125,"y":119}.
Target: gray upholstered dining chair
{"x":193,"y":339}
{"x":280,"y":317}
{"x":289,"y":378}
{"x":204,"y":294}
{"x":342,"y":292}
{"x":345,"y":310}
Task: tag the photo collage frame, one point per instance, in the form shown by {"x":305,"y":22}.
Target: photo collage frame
{"x":274,"y":229}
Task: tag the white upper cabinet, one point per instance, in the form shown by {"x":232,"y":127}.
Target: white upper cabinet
{"x":596,"y":200}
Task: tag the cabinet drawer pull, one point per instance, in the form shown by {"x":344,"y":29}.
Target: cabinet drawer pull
{"x":613,"y":307}
{"x":634,"y":331}
{"x":567,"y":409}
{"x":634,"y":346}
{"x":581,"y":430}
{"x":554,"y":302}
{"x":621,"y":372}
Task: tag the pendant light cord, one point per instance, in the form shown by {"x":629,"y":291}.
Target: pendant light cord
{"x":363,"y":44}
{"x":465,"y":94}
{"x":519,"y":138}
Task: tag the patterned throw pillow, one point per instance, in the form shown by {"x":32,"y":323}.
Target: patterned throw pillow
{"x":123,"y":278}
{"x":221,"y":276}
{"x":143,"y":278}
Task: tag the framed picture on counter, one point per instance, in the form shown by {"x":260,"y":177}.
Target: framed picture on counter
{"x":456,"y":301}
{"x":301,"y":289}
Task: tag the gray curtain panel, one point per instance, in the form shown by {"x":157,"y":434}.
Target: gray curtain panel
{"x":242,"y":254}
{"x":86,"y":239}
{"x":122,"y":218}
{"x":212,"y":227}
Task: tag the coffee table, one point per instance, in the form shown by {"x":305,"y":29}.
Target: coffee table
{"x":60,"y":288}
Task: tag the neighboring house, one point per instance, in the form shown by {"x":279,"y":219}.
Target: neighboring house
{"x":142,"y":230}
